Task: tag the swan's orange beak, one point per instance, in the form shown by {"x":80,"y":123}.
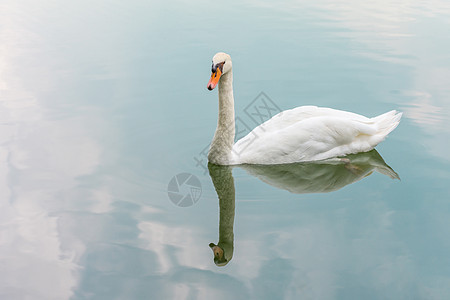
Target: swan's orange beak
{"x":214,"y":79}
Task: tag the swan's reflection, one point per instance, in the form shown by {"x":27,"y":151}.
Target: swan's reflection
{"x":321,"y":176}
{"x":224,"y":184}
{"x":300,"y":178}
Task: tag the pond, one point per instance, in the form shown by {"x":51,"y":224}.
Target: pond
{"x":106,"y":192}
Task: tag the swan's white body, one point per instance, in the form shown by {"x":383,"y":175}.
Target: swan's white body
{"x":306,"y":133}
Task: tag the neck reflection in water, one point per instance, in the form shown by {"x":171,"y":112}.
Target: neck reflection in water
{"x":224,"y":184}
{"x":299,"y":178}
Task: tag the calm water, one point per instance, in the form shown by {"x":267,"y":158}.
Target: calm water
{"x":104,"y":102}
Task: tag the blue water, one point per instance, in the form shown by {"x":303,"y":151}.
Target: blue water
{"x":104,"y":103}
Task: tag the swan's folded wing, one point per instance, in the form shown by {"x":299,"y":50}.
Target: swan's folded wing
{"x":314,"y":138}
{"x":293,"y":116}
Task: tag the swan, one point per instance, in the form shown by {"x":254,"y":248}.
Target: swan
{"x":305,"y":133}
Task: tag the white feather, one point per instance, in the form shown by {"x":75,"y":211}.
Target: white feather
{"x":312,"y":133}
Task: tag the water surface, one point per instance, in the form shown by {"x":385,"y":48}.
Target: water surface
{"x":103,"y":103}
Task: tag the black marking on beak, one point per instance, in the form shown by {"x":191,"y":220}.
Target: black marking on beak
{"x":219,"y":65}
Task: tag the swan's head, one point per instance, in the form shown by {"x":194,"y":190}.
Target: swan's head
{"x":221,"y":64}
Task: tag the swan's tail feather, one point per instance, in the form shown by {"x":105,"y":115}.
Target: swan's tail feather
{"x":387,"y":122}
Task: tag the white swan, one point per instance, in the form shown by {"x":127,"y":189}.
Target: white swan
{"x":305,"y":133}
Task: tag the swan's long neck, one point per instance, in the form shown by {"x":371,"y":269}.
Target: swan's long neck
{"x":222,"y":143}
